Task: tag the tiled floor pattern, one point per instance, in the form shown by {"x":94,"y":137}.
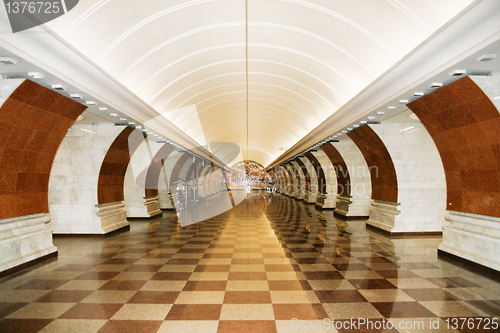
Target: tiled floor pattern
{"x":251,"y":269}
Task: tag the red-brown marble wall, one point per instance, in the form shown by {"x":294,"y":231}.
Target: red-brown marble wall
{"x":382,"y":171}
{"x":34,"y":122}
{"x":114,"y":167}
{"x":465,"y":125}
{"x":320,"y":174}
{"x":338,"y":162}
{"x":154,"y":169}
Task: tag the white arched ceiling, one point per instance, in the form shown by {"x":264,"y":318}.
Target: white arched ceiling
{"x":305,"y":58}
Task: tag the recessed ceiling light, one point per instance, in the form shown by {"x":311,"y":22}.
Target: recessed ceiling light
{"x":498,"y":97}
{"x":90,"y":103}
{"x":113,"y":114}
{"x":458,"y":72}
{"x":344,"y":131}
{"x":418,"y":93}
{"x":371,"y":118}
{"x":8,"y":60}
{"x":138,"y":126}
{"x":144,"y":130}
{"x":36,"y":75}
{"x":80,"y":118}
{"x":380,"y":113}
{"x":131,"y":123}
{"x":103,"y":108}
{"x":76,"y":96}
{"x":355,"y":126}
{"x":403,"y":101}
{"x":391,"y":108}
{"x":123,"y":119}
{"x":487,"y":57}
{"x":57,"y":87}
{"x":339,"y":133}
{"x":333,"y":137}
{"x":363,"y":122}
{"x":436,"y":84}
{"x":349,"y":128}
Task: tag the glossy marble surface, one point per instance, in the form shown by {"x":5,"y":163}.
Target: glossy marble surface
{"x":253,"y":268}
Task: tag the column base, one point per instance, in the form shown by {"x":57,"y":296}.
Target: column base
{"x":383,"y":215}
{"x":310,"y":197}
{"x":24,"y":240}
{"x":153,"y":205}
{"x":475,"y":238}
{"x":113,"y":216}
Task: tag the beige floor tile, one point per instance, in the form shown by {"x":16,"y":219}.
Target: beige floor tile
{"x":109,"y":296}
{"x":331,"y":285}
{"x":74,"y":326}
{"x":304,"y":326}
{"x":82,"y":285}
{"x":136,"y":276}
{"x":209,"y":276}
{"x":215,"y":261}
{"x":21,"y":295}
{"x":317,"y":267}
{"x":247,"y":268}
{"x":361,"y":275}
{"x":453,"y":309}
{"x":385,"y":295}
{"x":285,"y":276}
{"x":163,"y":286}
{"x":189,"y":326}
{"x":42,"y":310}
{"x":412,"y":283}
{"x":247,"y":255}
{"x":142,"y":312}
{"x":247,"y":285}
{"x":247,"y":312}
{"x":351,"y":310}
{"x":290,"y":297}
{"x":200,"y":297}
{"x":109,"y":268}
{"x":177,"y":268}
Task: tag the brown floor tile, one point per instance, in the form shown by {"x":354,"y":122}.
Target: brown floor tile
{"x":23,"y":325}
{"x":299,"y":311}
{"x":367,"y":328}
{"x":372,"y":284}
{"x":143,"y":268}
{"x":97,"y":276}
{"x":205,"y":286}
{"x":8,"y":308}
{"x":212,"y":268}
{"x":174,"y":261}
{"x":289,"y":285}
{"x":154,"y":297}
{"x":261,"y":326}
{"x":311,"y":261}
{"x":91,"y":311}
{"x":122,"y":285}
{"x":247,"y":297}
{"x":217,"y":255}
{"x":39,"y":284}
{"x":339,"y":296}
{"x":452,"y":282}
{"x":402,"y":310}
{"x":492,"y":308}
{"x":330,"y":275}
{"x":247,"y":276}
{"x":194,"y":312}
{"x":119,"y":261}
{"x":178,"y":276}
{"x":418,"y":265}
{"x":132,"y":326}
{"x":247,"y":261}
{"x":393,"y":274}
{"x":76,"y":267}
{"x":65,"y":296}
{"x":351,"y":267}
{"x":279,"y":268}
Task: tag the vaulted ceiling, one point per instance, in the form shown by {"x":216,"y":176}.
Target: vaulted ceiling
{"x":260,"y":73}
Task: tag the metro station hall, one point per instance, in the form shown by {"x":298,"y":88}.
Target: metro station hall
{"x":250,"y":166}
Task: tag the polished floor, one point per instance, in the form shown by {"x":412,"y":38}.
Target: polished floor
{"x":271,"y":264}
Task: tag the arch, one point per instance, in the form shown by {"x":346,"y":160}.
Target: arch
{"x":319,"y":172}
{"x":34,"y":121}
{"x":341,"y":170}
{"x":154,"y":169}
{"x":176,"y":172}
{"x":380,"y":165}
{"x":305,"y":172}
{"x":114,"y":167}
{"x":464,"y":124}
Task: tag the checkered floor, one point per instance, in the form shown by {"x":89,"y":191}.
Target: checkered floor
{"x":253,"y":269}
